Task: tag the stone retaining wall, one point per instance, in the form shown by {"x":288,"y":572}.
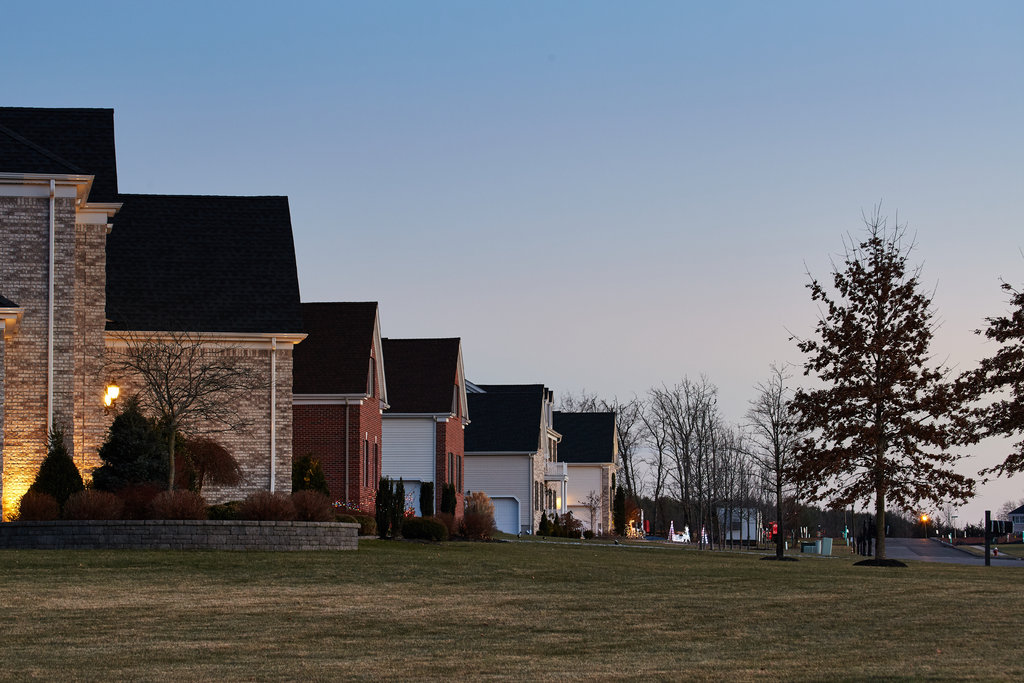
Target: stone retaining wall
{"x":179,"y":535}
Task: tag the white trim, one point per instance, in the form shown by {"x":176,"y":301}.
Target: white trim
{"x":526,"y":453}
{"x":378,"y":348}
{"x":70,"y":185}
{"x":439,"y":417}
{"x":329,"y":399}
{"x":259,"y":339}
{"x":9,"y":318}
{"x":273,"y":414}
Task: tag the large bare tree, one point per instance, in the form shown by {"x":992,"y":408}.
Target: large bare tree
{"x":773,"y":438}
{"x":192,"y":385}
{"x":879,"y":428}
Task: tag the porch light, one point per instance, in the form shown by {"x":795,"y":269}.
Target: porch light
{"x":113,"y":391}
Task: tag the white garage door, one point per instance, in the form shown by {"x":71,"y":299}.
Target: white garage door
{"x":506,"y":514}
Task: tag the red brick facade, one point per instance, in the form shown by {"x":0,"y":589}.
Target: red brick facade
{"x":319,"y":429}
{"x":450,"y":440}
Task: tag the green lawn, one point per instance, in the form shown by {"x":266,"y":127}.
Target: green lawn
{"x":524,"y":610}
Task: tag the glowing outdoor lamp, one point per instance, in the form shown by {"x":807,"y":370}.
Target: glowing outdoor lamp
{"x":113,"y":391}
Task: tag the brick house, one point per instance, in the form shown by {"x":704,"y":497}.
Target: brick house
{"x":512,"y":451}
{"x":340,"y":396}
{"x":426,"y":418}
{"x":590,"y":452}
{"x":83,"y":266}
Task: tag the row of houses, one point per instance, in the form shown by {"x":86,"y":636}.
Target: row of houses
{"x":83,"y":268}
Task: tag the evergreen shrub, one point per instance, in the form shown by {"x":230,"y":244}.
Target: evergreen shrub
{"x":448,"y":499}
{"x":58,"y":475}
{"x":134,"y":452}
{"x":449,"y":522}
{"x":397,"y":509}
{"x":382,"y":507}
{"x":308,"y":475}
{"x":427,"y":499}
{"x":224,"y":511}
{"x":424,"y":528}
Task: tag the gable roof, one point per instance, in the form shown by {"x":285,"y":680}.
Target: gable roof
{"x":202,"y":264}
{"x":505,"y":421}
{"x":1018,"y":511}
{"x":421,"y":374}
{"x":7,"y":303}
{"x":586,"y":437}
{"x":61,"y":141}
{"x":334,"y":358}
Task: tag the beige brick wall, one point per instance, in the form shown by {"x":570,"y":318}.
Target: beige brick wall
{"x":250,"y":443}
{"x":24,"y":278}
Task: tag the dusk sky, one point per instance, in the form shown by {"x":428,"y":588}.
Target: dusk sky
{"x":598,"y":195}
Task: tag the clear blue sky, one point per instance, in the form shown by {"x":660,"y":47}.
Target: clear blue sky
{"x":604,"y":195}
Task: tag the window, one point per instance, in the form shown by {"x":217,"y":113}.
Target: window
{"x":376,"y":463}
{"x":455,"y":400}
{"x":458,"y":462}
{"x":366,"y":462}
{"x":451,"y":468}
{"x":369,"y":378}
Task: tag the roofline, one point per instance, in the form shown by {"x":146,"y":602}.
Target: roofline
{"x":117,"y":337}
{"x":9,"y":319}
{"x":526,"y":453}
{"x":598,"y":462}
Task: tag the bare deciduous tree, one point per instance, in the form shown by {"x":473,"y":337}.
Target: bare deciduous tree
{"x":191,"y":384}
{"x":628,"y":428}
{"x":773,"y":438}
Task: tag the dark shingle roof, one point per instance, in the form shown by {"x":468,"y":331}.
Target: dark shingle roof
{"x":1018,"y":511}
{"x":7,"y":303}
{"x":586,"y":437}
{"x":202,"y":264}
{"x":61,"y":141}
{"x":421,"y":374}
{"x":334,"y":358}
{"x":505,"y":421}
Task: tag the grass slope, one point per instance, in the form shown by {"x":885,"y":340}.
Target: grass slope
{"x":537,"y":611}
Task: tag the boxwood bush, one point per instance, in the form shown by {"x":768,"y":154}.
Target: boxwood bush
{"x":424,"y":528}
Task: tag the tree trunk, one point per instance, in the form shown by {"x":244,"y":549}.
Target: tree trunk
{"x":170,"y":459}
{"x":880,"y":525}
{"x":780,"y":535}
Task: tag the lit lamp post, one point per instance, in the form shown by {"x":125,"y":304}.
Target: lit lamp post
{"x":113,"y":391}
{"x":924,"y":521}
{"x":954,"y":526}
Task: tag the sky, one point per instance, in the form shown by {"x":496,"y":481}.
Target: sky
{"x":604,"y":196}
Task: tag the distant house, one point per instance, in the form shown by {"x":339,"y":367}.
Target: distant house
{"x":590,"y":452}
{"x":512,"y":453}
{"x":740,"y":525}
{"x":1017,"y":517}
{"x":144,"y":266}
{"x":424,"y":424}
{"x":340,"y":396}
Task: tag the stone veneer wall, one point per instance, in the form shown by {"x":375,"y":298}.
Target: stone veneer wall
{"x":179,"y":535}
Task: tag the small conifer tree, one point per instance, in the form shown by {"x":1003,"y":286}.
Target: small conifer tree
{"x":385,"y":493}
{"x":544,"y":528}
{"x":398,"y":508}
{"x":308,"y":475}
{"x":448,"y":499}
{"x":57,"y":475}
{"x":619,"y":511}
{"x":427,"y":499}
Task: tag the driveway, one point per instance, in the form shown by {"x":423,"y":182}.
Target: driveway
{"x":926,"y":550}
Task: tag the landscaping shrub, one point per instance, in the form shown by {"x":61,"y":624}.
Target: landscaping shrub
{"x":208,"y":462}
{"x":38,"y":507}
{"x":544,"y":528}
{"x":134,"y":452}
{"x":137,"y":497}
{"x":478,"y":522}
{"x":449,"y":522}
{"x":177,"y":504}
{"x":448,"y":499}
{"x":367,"y":525}
{"x":427,"y":499}
{"x":312,"y":506}
{"x":424,"y":528}
{"x":308,"y":475}
{"x":93,"y":504}
{"x":398,"y":509}
{"x":571,"y":527}
{"x":382,"y":506}
{"x":58,"y":475}
{"x":619,"y":512}
{"x":588,"y":534}
{"x":225,"y":511}
{"x":268,"y":507}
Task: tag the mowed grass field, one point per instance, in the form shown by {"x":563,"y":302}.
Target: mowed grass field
{"x":395,"y":610}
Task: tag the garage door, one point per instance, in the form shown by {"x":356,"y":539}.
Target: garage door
{"x":506,"y":514}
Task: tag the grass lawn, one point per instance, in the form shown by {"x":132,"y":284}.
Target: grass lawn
{"x":535,"y":611}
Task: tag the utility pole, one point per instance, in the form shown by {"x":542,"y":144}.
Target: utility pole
{"x":988,"y":538}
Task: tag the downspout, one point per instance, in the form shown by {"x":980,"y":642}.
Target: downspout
{"x":49,"y":328}
{"x":273,"y":413}
{"x":347,"y":439}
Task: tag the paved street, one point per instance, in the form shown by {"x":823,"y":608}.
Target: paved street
{"x":932,"y":551}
